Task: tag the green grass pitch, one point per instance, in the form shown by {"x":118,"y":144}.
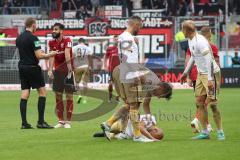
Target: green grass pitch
{"x":77,"y":143}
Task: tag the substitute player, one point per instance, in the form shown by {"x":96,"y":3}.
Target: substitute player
{"x":206,"y":32}
{"x":30,"y":72}
{"x":148,"y":128}
{"x":63,"y":65}
{"x":111,"y":60}
{"x":83,"y":64}
{"x":208,"y":79}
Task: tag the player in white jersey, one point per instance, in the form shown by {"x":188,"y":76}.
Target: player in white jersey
{"x":82,"y":65}
{"x":148,"y":127}
{"x":129,"y":63}
{"x":128,"y":47}
{"x":208,"y":79}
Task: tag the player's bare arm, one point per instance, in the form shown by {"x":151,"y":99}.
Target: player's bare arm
{"x":68,"y":59}
{"x":50,"y":69}
{"x":145,"y":132}
{"x":40,"y":54}
{"x":187,"y":70}
{"x":146,"y":104}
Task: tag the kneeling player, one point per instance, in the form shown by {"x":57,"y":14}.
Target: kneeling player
{"x":148,"y":128}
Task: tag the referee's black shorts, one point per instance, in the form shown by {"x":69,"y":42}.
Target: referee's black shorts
{"x":31,"y":77}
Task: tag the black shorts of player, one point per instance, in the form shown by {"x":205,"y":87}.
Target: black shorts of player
{"x":31,"y":77}
{"x":194,"y":85}
{"x":60,"y":84}
{"x":110,"y":76}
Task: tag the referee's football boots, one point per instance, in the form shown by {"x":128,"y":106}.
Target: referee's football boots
{"x":26,"y":126}
{"x":44,"y":125}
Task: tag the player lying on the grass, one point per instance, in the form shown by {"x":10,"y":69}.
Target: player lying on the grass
{"x":208,"y":79}
{"x":83,"y":64}
{"x":148,"y":128}
{"x":133,"y":95}
{"x":111,"y":60}
{"x":63,"y":65}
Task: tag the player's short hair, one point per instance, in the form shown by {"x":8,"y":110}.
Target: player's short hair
{"x":167,"y":90}
{"x":135,"y":19}
{"x":82,"y":40}
{"x":205,"y":30}
{"x":189,"y":25}
{"x":60,"y":25}
{"x":29,"y":22}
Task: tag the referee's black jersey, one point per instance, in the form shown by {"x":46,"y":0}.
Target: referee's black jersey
{"x":27,"y":43}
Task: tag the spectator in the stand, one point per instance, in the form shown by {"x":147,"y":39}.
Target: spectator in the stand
{"x":54,"y":5}
{"x":117,"y":2}
{"x":137,"y":4}
{"x":182,"y":8}
{"x":67,"y":5}
{"x":44,"y":4}
{"x":172,"y":7}
{"x":6,"y":7}
{"x":147,"y":4}
{"x":86,"y":3}
{"x":95,"y":4}
{"x":64,"y":5}
{"x":71,"y":5}
{"x":17,"y":3}
{"x":100,"y":11}
{"x":82,"y":13}
{"x":236,"y":59}
{"x":160,"y":4}
{"x":237,"y":6}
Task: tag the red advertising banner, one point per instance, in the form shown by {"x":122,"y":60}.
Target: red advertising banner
{"x":156,"y":32}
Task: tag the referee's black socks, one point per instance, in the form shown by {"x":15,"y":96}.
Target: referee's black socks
{"x":41,"y":109}
{"x":23,"y":110}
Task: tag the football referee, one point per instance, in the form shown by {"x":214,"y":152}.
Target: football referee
{"x":30,"y":72}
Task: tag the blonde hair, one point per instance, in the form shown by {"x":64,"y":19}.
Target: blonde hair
{"x":189,"y":25}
